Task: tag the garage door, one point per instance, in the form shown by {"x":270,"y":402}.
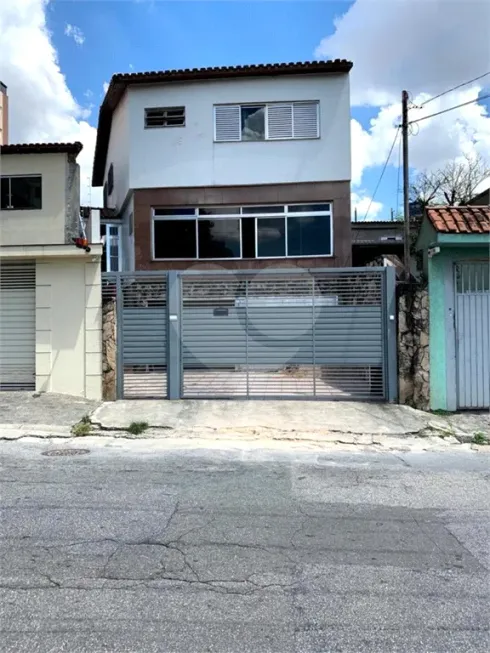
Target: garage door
{"x":473,"y":334}
{"x":17,"y":326}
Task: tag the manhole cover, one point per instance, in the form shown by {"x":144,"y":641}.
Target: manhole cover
{"x":65,"y":452}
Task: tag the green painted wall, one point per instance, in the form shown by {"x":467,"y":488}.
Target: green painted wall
{"x":441,"y":325}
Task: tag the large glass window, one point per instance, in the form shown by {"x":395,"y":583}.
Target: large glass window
{"x":219,"y":238}
{"x":225,"y":232}
{"x":21,"y":192}
{"x":175,"y":238}
{"x":271,"y":237}
{"x":308,"y":235}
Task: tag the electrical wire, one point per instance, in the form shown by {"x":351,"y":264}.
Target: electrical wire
{"x":454,"y":88}
{"x":382,"y":172}
{"x":483,"y":97}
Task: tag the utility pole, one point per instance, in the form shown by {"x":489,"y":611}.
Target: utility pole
{"x":406,"y":189}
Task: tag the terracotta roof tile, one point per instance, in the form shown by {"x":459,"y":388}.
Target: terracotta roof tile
{"x":460,"y":219}
{"x":41,"y":148}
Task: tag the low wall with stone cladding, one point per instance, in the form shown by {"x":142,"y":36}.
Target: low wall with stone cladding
{"x":413,"y":346}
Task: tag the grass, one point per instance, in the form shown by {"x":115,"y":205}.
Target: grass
{"x":83,"y":427}
{"x":441,"y":412}
{"x":136,"y":428}
{"x":480,"y":438}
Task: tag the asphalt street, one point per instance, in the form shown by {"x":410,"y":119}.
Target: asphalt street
{"x":243,"y":551}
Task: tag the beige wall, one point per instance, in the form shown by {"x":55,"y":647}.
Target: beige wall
{"x":45,"y":226}
{"x":68,"y":327}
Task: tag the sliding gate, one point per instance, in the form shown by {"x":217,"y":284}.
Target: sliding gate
{"x":327,"y":334}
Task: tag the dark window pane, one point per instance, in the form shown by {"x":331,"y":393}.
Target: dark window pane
{"x":219,"y":238}
{"x":5,"y":193}
{"x":306,"y":208}
{"x":309,"y":236}
{"x":220,"y":210}
{"x":170,"y":212}
{"x":25,"y":192}
{"x":175,"y":238}
{"x":253,"y":123}
{"x":252,"y":210}
{"x":248,"y":237}
{"x":271,"y":237}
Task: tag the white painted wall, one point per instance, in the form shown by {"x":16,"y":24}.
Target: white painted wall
{"x":188,"y":156}
{"x":118,"y":154}
{"x":69,"y":327}
{"x":45,"y":226}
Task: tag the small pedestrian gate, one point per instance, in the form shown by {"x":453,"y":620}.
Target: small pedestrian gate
{"x":472,"y":285}
{"x":326,"y":334}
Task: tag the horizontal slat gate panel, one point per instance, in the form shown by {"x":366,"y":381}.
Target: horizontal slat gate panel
{"x":17,"y":326}
{"x":286,"y":335}
{"x":145,"y":331}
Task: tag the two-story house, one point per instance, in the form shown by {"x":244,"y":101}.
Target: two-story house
{"x":50,"y":290}
{"x":242,"y":167}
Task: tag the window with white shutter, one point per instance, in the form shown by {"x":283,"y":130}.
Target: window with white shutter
{"x":280,"y":120}
{"x":227,"y":123}
{"x":285,"y":120}
{"x":305,"y":120}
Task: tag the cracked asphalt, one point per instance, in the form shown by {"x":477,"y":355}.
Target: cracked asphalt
{"x":239,"y":551}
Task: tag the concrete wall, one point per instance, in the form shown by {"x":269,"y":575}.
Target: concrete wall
{"x":188,"y":156}
{"x":443,"y":374}
{"x":118,"y":154}
{"x":68,"y":327}
{"x":45,"y":226}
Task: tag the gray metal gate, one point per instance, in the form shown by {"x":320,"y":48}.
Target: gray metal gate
{"x":327,"y":334}
{"x":472,"y":283}
{"x":138,"y":303}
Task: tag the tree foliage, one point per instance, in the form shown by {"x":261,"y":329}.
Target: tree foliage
{"x":451,"y":185}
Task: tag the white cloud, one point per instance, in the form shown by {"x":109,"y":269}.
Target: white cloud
{"x":363,"y":204}
{"x":425,"y":48}
{"x":105,"y":86}
{"x":75,"y":33}
{"x":41,"y":106}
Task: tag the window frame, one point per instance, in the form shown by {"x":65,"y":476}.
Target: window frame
{"x":146,"y":126}
{"x":266,"y":118}
{"x":328,"y":213}
{"x":107,"y":245}
{"x":23,"y":208}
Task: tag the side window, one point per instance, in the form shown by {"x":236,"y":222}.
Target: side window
{"x":21,"y":192}
{"x":165,"y":117}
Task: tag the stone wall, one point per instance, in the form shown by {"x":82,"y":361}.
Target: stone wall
{"x":109,"y":342}
{"x":413,"y":346}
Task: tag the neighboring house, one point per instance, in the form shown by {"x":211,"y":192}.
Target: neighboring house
{"x":241,"y":167}
{"x":50,"y":291}
{"x":455,"y":242}
{"x":374,"y":239}
{"x":482,"y":199}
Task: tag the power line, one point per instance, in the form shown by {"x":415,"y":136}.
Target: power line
{"x":382,"y":172}
{"x":457,"y":106}
{"x":454,"y":88}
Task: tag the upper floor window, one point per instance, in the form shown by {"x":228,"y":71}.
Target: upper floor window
{"x":21,"y":192}
{"x":165,"y":117}
{"x":259,"y":122}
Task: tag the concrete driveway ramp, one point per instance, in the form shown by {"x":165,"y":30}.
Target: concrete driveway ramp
{"x":206,"y":416}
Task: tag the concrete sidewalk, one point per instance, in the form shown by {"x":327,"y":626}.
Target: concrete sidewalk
{"x":309,"y":422}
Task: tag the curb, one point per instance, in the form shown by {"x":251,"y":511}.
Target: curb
{"x":17,"y":431}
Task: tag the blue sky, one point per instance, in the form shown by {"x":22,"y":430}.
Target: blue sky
{"x":140,"y":35}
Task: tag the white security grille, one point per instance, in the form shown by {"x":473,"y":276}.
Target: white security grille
{"x":17,"y":326}
{"x":227,"y":123}
{"x":280,"y":120}
{"x":305,"y":120}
